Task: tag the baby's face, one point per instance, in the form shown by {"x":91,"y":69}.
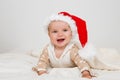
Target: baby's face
{"x":60,"y":33}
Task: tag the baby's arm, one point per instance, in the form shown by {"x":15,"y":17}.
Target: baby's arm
{"x":82,"y":64}
{"x":42,"y":63}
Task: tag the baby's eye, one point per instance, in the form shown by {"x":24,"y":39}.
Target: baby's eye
{"x":54,"y":31}
{"x":65,"y":30}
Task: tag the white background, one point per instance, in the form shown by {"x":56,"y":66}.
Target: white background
{"x":21,"y":21}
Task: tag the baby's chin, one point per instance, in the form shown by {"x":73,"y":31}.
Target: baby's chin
{"x":60,"y":45}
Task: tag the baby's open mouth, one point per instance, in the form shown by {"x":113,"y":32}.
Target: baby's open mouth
{"x":60,"y":40}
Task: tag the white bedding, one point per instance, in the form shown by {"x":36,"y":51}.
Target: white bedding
{"x":17,"y":66}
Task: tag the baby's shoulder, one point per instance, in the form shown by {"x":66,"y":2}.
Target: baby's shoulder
{"x":76,"y":45}
{"x":45,"y":47}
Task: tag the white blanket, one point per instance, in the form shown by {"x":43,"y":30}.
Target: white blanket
{"x":18,"y":66}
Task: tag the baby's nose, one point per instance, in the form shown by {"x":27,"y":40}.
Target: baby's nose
{"x":60,"y":34}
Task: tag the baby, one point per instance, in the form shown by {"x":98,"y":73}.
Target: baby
{"x":62,"y":51}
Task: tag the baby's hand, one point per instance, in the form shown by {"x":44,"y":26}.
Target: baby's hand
{"x":86,"y":74}
{"x":41,"y":72}
{"x":34,"y":69}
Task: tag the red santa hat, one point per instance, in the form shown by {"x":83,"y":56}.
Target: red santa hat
{"x":76,"y":24}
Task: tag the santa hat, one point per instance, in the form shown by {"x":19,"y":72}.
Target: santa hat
{"x":76,"y":24}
